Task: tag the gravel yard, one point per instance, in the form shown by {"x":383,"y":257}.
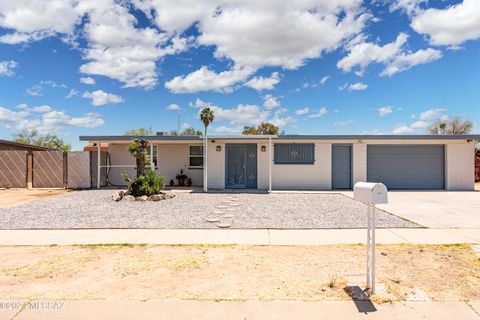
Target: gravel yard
{"x":95,"y":209}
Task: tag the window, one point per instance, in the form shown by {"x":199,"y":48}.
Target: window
{"x":196,"y":157}
{"x":294,"y":153}
{"x":147,"y":156}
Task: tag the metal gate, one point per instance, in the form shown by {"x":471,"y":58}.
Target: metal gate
{"x":78,"y":170}
{"x":48,"y":169}
{"x":13,"y":169}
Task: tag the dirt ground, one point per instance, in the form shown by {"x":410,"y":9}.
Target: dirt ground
{"x":236,"y":272}
{"x":10,"y":197}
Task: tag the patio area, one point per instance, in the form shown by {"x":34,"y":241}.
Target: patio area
{"x":95,"y":209}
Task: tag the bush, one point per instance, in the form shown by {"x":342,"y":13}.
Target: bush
{"x":147,"y":184}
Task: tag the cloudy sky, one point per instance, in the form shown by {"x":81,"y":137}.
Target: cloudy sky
{"x":88,"y":67}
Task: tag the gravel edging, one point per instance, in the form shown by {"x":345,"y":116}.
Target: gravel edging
{"x":95,"y":209}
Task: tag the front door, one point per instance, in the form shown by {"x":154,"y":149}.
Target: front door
{"x":341,"y":166}
{"x":241,"y":166}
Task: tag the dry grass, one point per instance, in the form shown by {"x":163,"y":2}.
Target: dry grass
{"x":235,"y":272}
{"x":10,"y":197}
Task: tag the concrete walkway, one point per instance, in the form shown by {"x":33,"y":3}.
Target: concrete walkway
{"x":236,"y":236}
{"x":251,"y":310}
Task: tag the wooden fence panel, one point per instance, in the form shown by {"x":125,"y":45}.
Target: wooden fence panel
{"x":48,"y":169}
{"x":13,"y":169}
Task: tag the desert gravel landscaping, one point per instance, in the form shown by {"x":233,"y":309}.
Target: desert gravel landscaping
{"x":95,"y":209}
{"x":143,"y":272}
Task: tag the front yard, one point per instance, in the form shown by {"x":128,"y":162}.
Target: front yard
{"x":95,"y":209}
{"x":404,"y":272}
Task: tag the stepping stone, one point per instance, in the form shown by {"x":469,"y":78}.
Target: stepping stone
{"x":222,"y":207}
{"x":224,"y":225}
{"x":230,"y":209}
{"x":213,"y":219}
{"x":228,"y":215}
{"x":234,"y":204}
{"x":225,"y":201}
{"x":219,"y":212}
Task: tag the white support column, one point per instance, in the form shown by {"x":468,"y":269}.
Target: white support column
{"x":98,"y":164}
{"x":205,"y":164}
{"x":152,"y":165}
{"x":270,"y":164}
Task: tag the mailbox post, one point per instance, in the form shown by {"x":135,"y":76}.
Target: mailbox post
{"x":370,"y":194}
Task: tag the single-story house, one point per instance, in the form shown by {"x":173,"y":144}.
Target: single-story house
{"x":321,"y":162}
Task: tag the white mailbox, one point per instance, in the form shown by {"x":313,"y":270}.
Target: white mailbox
{"x":370,"y":192}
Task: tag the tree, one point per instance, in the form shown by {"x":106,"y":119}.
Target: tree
{"x":139,"y":132}
{"x":48,"y":141}
{"x":207,"y":117}
{"x":264,"y":128}
{"x":186,"y":132}
{"x":454,"y":126}
{"x":138,"y":149}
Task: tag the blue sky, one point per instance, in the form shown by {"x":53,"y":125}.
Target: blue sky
{"x":310,"y":67}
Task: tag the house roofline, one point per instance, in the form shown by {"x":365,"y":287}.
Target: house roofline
{"x":284,"y":137}
{"x":24,"y":145}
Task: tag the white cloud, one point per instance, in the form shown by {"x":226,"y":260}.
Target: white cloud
{"x":408,"y":6}
{"x":100,"y":98}
{"x":205,"y":79}
{"x":270,"y":102}
{"x":45,"y":120}
{"x":406,"y":61}
{"x":383,"y":111}
{"x":173,"y":107}
{"x":72,"y":93}
{"x":420,"y":124}
{"x":450,"y":26}
{"x":263,"y":83}
{"x":302,"y":111}
{"x":403,"y":129}
{"x":6,"y":68}
{"x":199,"y":104}
{"x":240,"y":115}
{"x":87,"y":80}
{"x":228,"y":130}
{"x":392,"y":55}
{"x":357,"y":86}
{"x":320,"y":113}
{"x":343,"y":123}
{"x":36,"y":90}
{"x":264,"y":33}
{"x":431,"y":113}
{"x":324,"y":80}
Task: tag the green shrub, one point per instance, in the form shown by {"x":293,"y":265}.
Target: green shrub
{"x":147,"y":184}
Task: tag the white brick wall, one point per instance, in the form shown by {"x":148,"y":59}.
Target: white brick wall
{"x":305,"y":176}
{"x":460,"y":166}
{"x":359,"y":162}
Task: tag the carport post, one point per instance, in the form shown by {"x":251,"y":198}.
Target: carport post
{"x":205,"y":164}
{"x":152,"y":165}
{"x":270,"y":164}
{"x":98,"y":165}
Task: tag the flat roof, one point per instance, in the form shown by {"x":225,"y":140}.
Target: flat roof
{"x":24,"y":145}
{"x":288,"y":137}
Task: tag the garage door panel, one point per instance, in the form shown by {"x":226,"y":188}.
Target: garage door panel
{"x":407,"y":166}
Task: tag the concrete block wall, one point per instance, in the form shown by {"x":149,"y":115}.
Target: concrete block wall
{"x":359,"y":162}
{"x":216,"y":165}
{"x":306,"y":176}
{"x":460,"y":164}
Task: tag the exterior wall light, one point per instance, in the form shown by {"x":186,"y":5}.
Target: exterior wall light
{"x":218,"y":148}
{"x":264,"y":148}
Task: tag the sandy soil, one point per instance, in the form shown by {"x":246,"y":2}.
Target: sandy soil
{"x":235,"y":272}
{"x":9,"y":197}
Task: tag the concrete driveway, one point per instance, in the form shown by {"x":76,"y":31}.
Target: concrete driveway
{"x":436,"y":209}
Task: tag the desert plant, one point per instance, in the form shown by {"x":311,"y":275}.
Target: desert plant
{"x":147,"y":184}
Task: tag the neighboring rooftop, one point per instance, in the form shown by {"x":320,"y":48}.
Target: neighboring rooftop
{"x":12,"y":145}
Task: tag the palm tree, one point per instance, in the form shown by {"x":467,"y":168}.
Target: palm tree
{"x":207,"y":117}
